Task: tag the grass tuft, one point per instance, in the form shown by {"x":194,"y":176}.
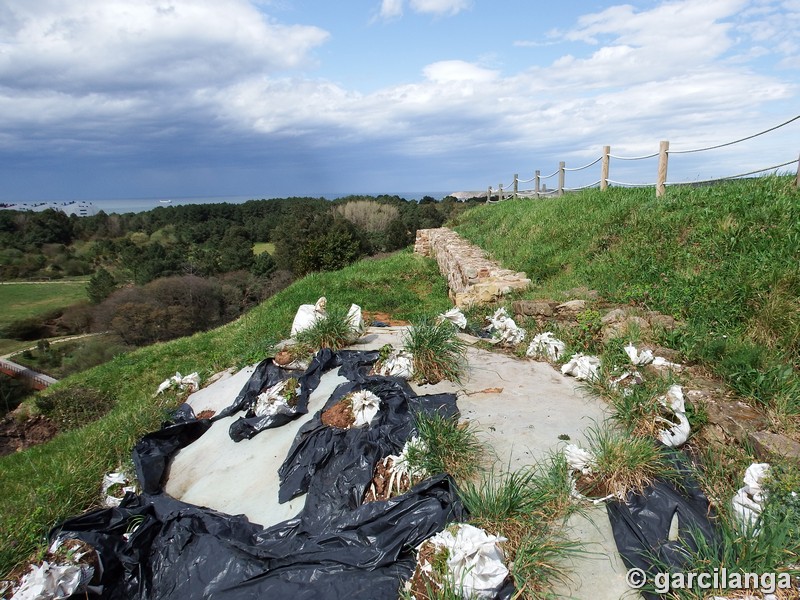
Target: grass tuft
{"x":331,"y":331}
{"x":450,"y":447}
{"x":438,"y":353}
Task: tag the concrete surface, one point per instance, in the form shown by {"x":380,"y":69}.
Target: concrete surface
{"x":521,"y":407}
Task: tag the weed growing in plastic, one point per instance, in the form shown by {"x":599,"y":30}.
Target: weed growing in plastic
{"x":331,"y":331}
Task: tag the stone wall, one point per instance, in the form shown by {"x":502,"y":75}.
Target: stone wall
{"x":471,"y":276}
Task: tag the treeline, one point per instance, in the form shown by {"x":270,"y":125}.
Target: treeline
{"x":174,"y":270}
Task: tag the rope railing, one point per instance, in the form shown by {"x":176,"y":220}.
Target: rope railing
{"x":660,"y":185}
{"x":586,"y":166}
{"x":786,"y":164}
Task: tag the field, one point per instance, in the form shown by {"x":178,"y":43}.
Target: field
{"x":31,"y":299}
{"x":23,"y":300}
{"x":262,"y":247}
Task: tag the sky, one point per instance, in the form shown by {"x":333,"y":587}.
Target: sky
{"x":272,"y":98}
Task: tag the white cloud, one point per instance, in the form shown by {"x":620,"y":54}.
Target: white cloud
{"x":452,"y":71}
{"x":440,"y":7}
{"x":102,"y":45}
{"x":391,"y":9}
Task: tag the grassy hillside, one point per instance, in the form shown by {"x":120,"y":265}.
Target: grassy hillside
{"x":24,"y":300}
{"x":50,"y":482}
{"x":723,"y":258}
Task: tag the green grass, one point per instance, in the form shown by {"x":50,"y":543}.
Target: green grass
{"x":261,"y":247}
{"x":438,"y":352}
{"x":450,"y":447}
{"x":722,"y":258}
{"x":331,"y":331}
{"x":61,"y":478}
{"x":26,"y":300}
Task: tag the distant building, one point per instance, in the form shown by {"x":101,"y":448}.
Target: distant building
{"x":80,"y":209}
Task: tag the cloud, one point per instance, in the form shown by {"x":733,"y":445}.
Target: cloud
{"x":451,"y":71}
{"x":440,"y":7}
{"x":123,"y":45}
{"x":393,"y":9}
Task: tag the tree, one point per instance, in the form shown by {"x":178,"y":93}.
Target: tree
{"x":263,"y":265}
{"x":101,"y":284}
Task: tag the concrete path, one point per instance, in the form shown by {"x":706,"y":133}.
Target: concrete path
{"x":521,"y":407}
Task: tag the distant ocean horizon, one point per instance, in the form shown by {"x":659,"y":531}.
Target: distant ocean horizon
{"x":136,"y":205}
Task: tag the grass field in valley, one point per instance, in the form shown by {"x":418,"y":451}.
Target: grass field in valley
{"x":23,"y":300}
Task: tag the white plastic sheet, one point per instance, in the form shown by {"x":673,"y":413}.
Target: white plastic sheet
{"x":307,"y":315}
{"x":192,"y":381}
{"x":52,"y":581}
{"x":112,"y":479}
{"x":579,"y":459}
{"x":365,"y":406}
{"x":399,"y":363}
{"x":273,"y":401}
{"x":475,"y":560}
{"x":679,"y":432}
{"x":400,"y":466}
{"x":356,"y":320}
{"x":662,"y":363}
{"x":504,"y":329}
{"x":455,"y":316}
{"x":546,"y":345}
{"x":582,"y":367}
{"x":748,"y":501}
{"x":639,"y":359}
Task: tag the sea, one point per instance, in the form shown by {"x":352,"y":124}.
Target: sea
{"x":135,"y":205}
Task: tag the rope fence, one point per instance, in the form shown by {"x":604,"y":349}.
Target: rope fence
{"x":540,"y":189}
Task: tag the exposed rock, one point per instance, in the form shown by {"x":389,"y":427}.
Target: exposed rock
{"x":571,"y":307}
{"x":769,"y":445}
{"x":582,"y":292}
{"x":736,"y":418}
{"x":620,"y":328}
{"x":533,"y":308}
{"x":614,"y":316}
{"x":663,"y":321}
{"x":471,"y":277}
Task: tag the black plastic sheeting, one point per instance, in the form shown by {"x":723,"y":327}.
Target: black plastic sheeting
{"x":642,"y":523}
{"x":334,"y":548}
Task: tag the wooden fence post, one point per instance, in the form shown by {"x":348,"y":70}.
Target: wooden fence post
{"x":500,"y":193}
{"x":516,"y":185}
{"x":536,"y":185}
{"x":663,"y":159}
{"x":797,"y":180}
{"x":489,"y":194}
{"x":561,"y":174}
{"x":604,"y":169}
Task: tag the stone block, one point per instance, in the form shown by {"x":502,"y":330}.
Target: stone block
{"x":571,"y":307}
{"x":736,"y":418}
{"x":769,"y":446}
{"x":533,"y":308}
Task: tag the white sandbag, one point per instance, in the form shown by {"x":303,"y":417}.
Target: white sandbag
{"x":356,"y":321}
{"x":455,"y":316}
{"x":546,"y":345}
{"x":504,"y":329}
{"x":626,"y":382}
{"x":475,"y":560}
{"x":399,"y":363}
{"x":307,"y":315}
{"x":579,"y":459}
{"x":679,"y":432}
{"x":748,"y":501}
{"x":582,"y":367}
{"x":53,"y":581}
{"x":365,"y":406}
{"x":274,"y":400}
{"x":639,"y":359}
{"x":399,"y":467}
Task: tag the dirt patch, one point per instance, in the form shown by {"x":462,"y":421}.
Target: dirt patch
{"x":339,"y":415}
{"x":593,"y":486}
{"x":283,"y":358}
{"x":371,"y":317}
{"x":379,"y":488}
{"x":422,"y":585}
{"x":205,"y":414}
{"x":18,"y":435}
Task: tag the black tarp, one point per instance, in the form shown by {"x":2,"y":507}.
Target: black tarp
{"x":335,"y":547}
{"x":641,"y":524}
